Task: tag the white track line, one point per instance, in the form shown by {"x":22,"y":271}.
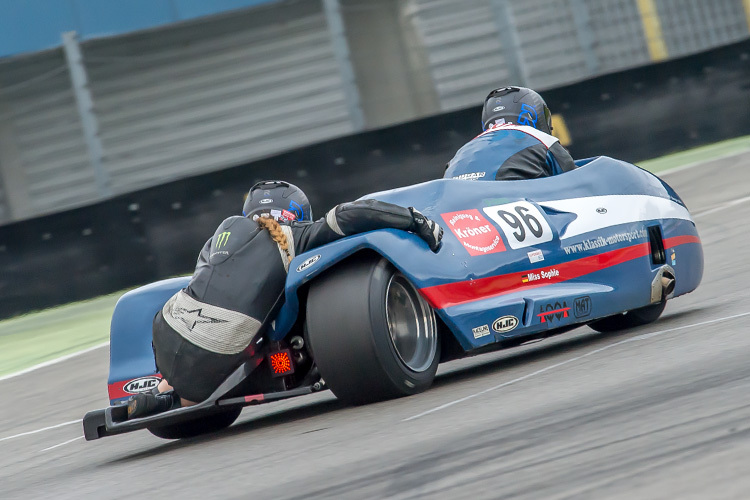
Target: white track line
{"x":61,"y":444}
{"x":53,"y":361}
{"x":690,"y":165}
{"x":42,"y":429}
{"x":571,"y":360}
{"x":721,"y":207}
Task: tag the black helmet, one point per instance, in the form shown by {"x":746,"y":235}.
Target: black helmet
{"x":281,"y":200}
{"x":517,"y":105}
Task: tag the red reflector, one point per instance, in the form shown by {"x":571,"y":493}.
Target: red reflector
{"x":281,"y":363}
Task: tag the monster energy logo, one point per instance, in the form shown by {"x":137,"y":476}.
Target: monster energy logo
{"x":223,"y":239}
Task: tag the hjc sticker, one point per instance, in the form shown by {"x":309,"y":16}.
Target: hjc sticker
{"x":307,"y":263}
{"x":143,"y":384}
{"x":505,"y":324}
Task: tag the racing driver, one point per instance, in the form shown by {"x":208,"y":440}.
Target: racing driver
{"x":200,"y":335}
{"x":516,"y":142}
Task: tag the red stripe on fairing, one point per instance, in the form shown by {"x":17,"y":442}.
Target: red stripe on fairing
{"x":116,"y":391}
{"x":461,"y":292}
{"x":680,"y":240}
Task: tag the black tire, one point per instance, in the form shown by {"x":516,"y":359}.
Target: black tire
{"x":631,"y":319}
{"x":198,"y":426}
{"x":372,"y":335}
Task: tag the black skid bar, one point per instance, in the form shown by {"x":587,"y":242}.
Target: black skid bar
{"x":114,"y":419}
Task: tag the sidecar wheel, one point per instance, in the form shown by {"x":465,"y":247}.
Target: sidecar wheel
{"x":198,"y":426}
{"x":372,"y":335}
{"x":631,"y":319}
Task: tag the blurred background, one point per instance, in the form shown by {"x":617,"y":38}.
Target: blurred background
{"x":129,"y":130}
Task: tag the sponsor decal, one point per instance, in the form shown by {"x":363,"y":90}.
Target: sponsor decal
{"x":143,"y":384}
{"x":296,"y":209}
{"x":307,"y":263}
{"x":475,"y":233}
{"x":582,"y":306}
{"x":472,"y":176}
{"x":505,"y":324}
{"x":527,"y":116}
{"x":601,"y":210}
{"x":499,"y":108}
{"x":117,"y":390}
{"x":522,"y":223}
{"x":471,"y":290}
{"x":223,"y":253}
{"x":549,"y":313}
{"x":601,"y":242}
{"x":288,"y":216}
{"x":547,"y":274}
{"x":265,"y":201}
{"x":495,"y":125}
{"x":223,"y":239}
{"x":192,"y":317}
{"x":535,"y":256}
{"x":481,"y":331}
{"x":673,"y":257}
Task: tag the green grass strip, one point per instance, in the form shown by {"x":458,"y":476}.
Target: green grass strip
{"x":42,"y":336}
{"x":697,"y":155}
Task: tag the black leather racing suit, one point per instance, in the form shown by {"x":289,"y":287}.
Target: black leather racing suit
{"x":508,"y":152}
{"x":202,"y":331}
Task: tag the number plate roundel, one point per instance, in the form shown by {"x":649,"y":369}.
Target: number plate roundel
{"x":522,"y":223}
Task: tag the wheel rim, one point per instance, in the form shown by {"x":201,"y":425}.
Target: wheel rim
{"x":411,"y":324}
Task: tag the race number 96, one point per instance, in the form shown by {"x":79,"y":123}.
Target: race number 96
{"x":521,"y":222}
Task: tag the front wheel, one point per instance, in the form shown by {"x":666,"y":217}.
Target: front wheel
{"x":630,"y":319}
{"x":372,"y":335}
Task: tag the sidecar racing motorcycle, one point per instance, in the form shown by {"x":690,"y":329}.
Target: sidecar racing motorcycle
{"x":370,"y":316}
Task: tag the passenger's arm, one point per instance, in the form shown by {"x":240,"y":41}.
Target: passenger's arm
{"x":361,"y":216}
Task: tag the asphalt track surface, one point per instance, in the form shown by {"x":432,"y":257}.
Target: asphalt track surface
{"x":661,"y":411}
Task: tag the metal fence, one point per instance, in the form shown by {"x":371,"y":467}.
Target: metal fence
{"x":87,"y":121}
{"x":474,"y":44}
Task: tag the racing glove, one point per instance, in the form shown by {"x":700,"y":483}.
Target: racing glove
{"x":425,"y":228}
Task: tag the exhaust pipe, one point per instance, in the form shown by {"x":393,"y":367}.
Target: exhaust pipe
{"x":667,"y":283}
{"x":662,"y":287}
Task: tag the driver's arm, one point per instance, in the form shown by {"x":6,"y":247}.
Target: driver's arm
{"x":559,"y":159}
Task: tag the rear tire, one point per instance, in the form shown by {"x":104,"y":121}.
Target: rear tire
{"x":631,"y":319}
{"x":372,"y":335}
{"x":198,"y":426}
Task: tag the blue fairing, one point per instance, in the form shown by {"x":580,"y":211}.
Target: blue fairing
{"x":595,"y":179}
{"x":130,"y":350}
{"x":547,"y":252}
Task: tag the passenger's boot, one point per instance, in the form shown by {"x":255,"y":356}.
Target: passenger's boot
{"x":144,"y":404}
